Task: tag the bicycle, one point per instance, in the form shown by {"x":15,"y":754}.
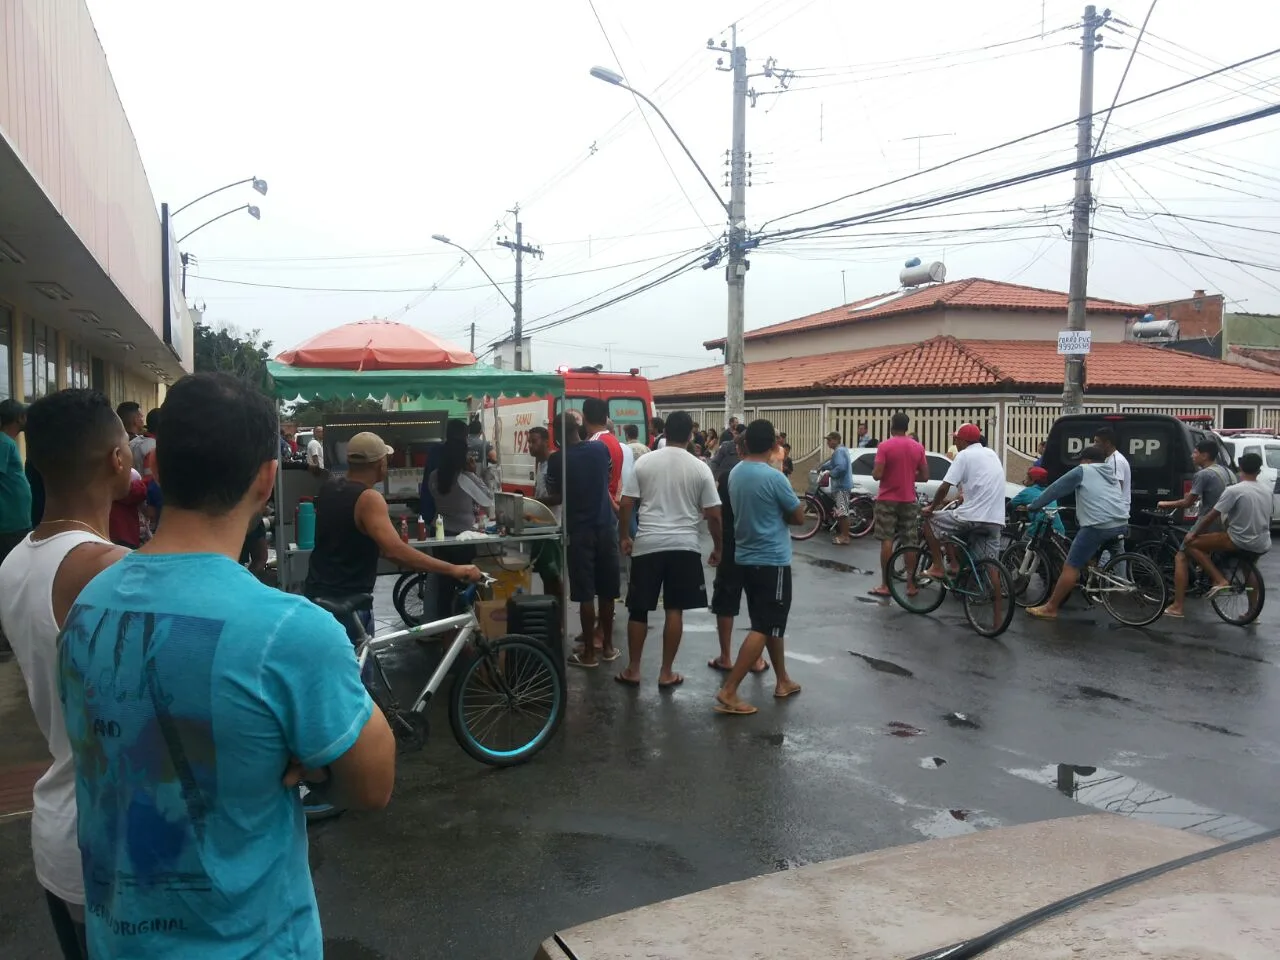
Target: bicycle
{"x":1124,"y":577}
{"x":510,"y":684}
{"x":1240,"y":604}
{"x":819,"y":511}
{"x":984,"y":585}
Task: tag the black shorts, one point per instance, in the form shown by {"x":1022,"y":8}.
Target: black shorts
{"x":768,"y":598}
{"x":726,"y":589}
{"x":676,"y":575}
{"x":594,"y":564}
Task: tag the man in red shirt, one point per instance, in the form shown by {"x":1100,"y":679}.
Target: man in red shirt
{"x":595,"y":414}
{"x":900,"y":465}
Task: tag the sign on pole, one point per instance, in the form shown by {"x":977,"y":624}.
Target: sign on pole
{"x":1074,"y":341}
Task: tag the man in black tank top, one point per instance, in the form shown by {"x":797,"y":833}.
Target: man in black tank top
{"x":353,"y":528}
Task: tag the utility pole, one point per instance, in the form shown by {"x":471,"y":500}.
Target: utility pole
{"x":473,"y":337}
{"x":1082,"y":207}
{"x":520,"y":249}
{"x":736,"y":271}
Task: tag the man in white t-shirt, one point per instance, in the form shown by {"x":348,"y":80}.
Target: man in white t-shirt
{"x":979,"y":519}
{"x":674,"y":492}
{"x":1105,"y":438}
{"x":81,"y":449}
{"x":315,"y":451}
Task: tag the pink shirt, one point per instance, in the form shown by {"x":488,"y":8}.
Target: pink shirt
{"x":901,"y":457}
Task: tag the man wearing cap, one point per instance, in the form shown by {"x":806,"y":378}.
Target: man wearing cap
{"x":841,"y":467}
{"x":979,"y":519}
{"x":353,"y":528}
{"x":15,"y":491}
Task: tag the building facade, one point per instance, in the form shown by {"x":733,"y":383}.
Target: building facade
{"x":82,"y":298}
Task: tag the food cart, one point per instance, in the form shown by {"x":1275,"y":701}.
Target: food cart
{"x":509,"y":546}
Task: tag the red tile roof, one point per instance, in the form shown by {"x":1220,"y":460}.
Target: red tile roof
{"x":945,"y":363}
{"x":971,"y":294}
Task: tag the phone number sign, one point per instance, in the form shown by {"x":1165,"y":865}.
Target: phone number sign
{"x":1074,"y":341}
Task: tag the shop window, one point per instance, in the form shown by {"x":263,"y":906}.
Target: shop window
{"x":79,"y":365}
{"x":39,"y":360}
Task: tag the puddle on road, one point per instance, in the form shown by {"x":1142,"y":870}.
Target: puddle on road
{"x":773,"y":739}
{"x":835,"y":565}
{"x":1211,"y":727}
{"x":884,"y":666}
{"x":899,"y":729}
{"x":1097,"y":693}
{"x":1116,"y":793}
{"x":953,"y":823}
{"x":932,"y":763}
{"x":962,"y":721}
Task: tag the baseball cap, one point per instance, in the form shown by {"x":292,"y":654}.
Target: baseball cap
{"x":367,"y":448}
{"x":968,"y":433}
{"x":11,"y":410}
{"x":1038,"y":474}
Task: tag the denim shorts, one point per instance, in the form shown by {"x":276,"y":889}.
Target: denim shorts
{"x":1088,"y":541}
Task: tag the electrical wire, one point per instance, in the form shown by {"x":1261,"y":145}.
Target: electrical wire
{"x":1120,"y":86}
{"x":1021,"y":139}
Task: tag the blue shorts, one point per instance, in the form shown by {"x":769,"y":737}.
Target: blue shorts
{"x":1088,"y":541}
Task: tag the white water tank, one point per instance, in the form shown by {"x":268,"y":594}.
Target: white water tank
{"x":1153,"y":329}
{"x":934,"y":272}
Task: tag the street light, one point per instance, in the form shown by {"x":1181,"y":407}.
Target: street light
{"x":258,"y":184}
{"x":612,"y":77}
{"x":253,"y":212}
{"x":441,"y":238}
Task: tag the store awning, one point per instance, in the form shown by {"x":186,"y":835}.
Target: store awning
{"x":478,"y":380}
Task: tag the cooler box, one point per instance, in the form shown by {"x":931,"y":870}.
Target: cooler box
{"x":537,"y":616}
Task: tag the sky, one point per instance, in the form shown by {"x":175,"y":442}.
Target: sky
{"x":380,"y":124}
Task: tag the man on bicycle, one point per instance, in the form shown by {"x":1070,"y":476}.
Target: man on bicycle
{"x":353,"y":528}
{"x":1246,"y":506}
{"x":841,"y":467}
{"x":979,"y":519}
{"x":1102,"y":507}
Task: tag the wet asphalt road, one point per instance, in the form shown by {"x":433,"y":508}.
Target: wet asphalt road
{"x":908,"y":727}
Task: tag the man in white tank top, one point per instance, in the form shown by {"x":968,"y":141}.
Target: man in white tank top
{"x":81,"y":449}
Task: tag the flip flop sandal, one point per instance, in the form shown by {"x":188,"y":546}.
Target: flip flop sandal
{"x":612,"y":656}
{"x":764,"y":669}
{"x":715,"y":664}
{"x":1176,"y":616}
{"x":625,"y":681}
{"x":784,"y":696}
{"x":1216,"y":589}
{"x":671,"y":683}
{"x":742,"y":710}
{"x":576,"y":660}
{"x":877,"y":592}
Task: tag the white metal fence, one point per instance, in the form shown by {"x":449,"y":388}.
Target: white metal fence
{"x":933,"y":426}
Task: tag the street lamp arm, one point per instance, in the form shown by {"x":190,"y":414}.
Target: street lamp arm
{"x":248,"y":206}
{"x":259,"y":185}
{"x":663,"y":117}
{"x":503,"y":293}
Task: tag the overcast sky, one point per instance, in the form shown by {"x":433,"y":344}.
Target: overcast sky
{"x":382,"y":123}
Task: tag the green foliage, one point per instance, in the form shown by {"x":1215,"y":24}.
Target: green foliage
{"x":309,"y":413}
{"x":224,"y":349}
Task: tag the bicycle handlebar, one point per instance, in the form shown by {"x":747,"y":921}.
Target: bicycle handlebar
{"x":469,"y":594}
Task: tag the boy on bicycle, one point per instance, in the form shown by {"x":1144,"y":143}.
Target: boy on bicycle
{"x":979,"y":519}
{"x":1246,"y":507}
{"x":1102,"y":508}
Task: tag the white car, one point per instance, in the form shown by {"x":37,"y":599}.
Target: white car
{"x":1268,"y":448}
{"x":864,"y":461}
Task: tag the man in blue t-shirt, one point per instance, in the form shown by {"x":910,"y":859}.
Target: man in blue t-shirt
{"x":763,"y":505}
{"x":195,"y":698}
{"x":595,"y":565}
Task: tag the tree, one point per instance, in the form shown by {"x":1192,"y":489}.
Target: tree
{"x":224,"y":349}
{"x":309,"y":413}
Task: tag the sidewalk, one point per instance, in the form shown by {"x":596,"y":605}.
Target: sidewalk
{"x":23,"y":757}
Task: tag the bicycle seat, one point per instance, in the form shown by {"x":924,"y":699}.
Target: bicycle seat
{"x":344,"y":610}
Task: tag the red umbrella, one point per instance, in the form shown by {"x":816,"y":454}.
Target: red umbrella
{"x":377,"y":345}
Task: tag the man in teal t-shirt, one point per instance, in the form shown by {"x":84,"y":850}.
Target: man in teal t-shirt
{"x":763,"y":506}
{"x":15,"y":491}
{"x":195,"y":697}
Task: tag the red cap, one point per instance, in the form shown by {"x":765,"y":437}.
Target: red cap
{"x":968,"y":433}
{"x":1038,"y":474}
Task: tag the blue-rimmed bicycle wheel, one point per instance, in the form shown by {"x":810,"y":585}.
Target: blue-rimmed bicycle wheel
{"x":988,"y":597}
{"x":507,"y":702}
{"x":912,"y":590}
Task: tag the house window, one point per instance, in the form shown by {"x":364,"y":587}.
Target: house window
{"x":39,"y":360}
{"x":116,"y":380}
{"x":6,"y":343}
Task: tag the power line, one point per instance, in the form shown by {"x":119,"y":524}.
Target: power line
{"x":1017,"y":140}
{"x":1177,"y":137}
{"x":1195,"y":253}
{"x":1120,"y":86}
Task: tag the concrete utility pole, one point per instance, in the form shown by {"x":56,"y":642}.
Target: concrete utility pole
{"x":473,"y":337}
{"x":736,"y":271}
{"x":1082,"y":208}
{"x":520,"y":249}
